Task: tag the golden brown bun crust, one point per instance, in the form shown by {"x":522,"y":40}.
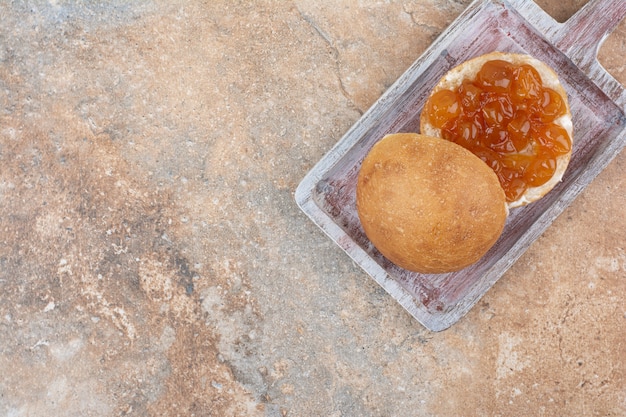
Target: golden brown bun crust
{"x":468,"y":70}
{"x":427,"y":204}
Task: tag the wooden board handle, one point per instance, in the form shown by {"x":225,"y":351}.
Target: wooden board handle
{"x":581,"y":36}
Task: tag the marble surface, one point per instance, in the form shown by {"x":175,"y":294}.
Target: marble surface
{"x":153,"y":260}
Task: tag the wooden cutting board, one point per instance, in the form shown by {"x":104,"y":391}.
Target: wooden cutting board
{"x":598,"y":106}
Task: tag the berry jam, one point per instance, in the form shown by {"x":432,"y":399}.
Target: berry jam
{"x":505,"y":116}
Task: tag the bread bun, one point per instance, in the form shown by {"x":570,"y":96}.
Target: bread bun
{"x":468,"y":71}
{"x":427,"y":204}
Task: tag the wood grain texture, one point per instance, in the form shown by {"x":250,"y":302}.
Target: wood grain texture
{"x":597,"y":101}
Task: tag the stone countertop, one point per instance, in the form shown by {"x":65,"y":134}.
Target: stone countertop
{"x":153,"y":260}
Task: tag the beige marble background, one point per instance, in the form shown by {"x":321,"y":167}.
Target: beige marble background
{"x":153,"y":261}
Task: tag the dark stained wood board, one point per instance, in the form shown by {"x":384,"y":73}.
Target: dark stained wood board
{"x":598,"y":105}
